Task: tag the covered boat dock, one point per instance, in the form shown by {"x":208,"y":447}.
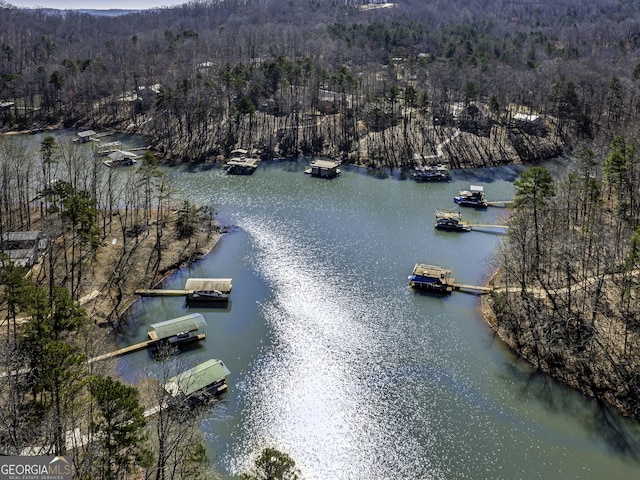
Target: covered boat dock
{"x":121,"y":158}
{"x":199,"y":383}
{"x":174,"y":332}
{"x":86,"y":136}
{"x":179,"y":330}
{"x":431,"y":278}
{"x":241,"y":162}
{"x":207,"y":290}
{"x":323,"y":168}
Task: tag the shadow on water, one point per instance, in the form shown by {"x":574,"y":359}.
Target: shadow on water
{"x":620,"y":434}
{"x":378,"y":173}
{"x":430,"y":293}
{"x":289,"y":165}
{"x":214,"y":306}
{"x":488,"y":175}
{"x":168,"y":352}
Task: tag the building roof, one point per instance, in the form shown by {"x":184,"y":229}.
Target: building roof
{"x":170,"y":328}
{"x":121,"y":154}
{"x":430,"y":271}
{"x":208,"y":284}
{"x":22,"y":258}
{"x":197,"y":378}
{"x":328,"y":164}
{"x":28,"y":236}
{"x":86,"y":133}
{"x":523,"y":117}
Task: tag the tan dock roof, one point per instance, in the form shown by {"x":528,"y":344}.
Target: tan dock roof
{"x":208,"y":284}
{"x":430,"y":271}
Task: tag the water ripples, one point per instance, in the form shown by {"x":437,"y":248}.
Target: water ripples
{"x":322,"y":391}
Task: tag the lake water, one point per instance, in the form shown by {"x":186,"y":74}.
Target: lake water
{"x":338,"y":363}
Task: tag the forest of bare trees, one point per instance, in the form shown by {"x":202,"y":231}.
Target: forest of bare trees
{"x":567,"y":294}
{"x":55,"y":399}
{"x":373,"y":86}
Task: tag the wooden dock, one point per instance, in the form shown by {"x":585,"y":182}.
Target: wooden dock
{"x":476,"y":227}
{"x":158,"y":292}
{"x":136,"y":347}
{"x":500,"y":203}
{"x":123,"y":351}
{"x":461,"y":287}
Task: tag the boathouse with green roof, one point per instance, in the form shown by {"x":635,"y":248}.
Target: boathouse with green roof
{"x":200,"y":382}
{"x":177,"y":330}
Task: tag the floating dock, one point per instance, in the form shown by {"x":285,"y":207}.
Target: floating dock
{"x":197,"y":291}
{"x":174,"y":332}
{"x":323,"y":168}
{"x":241,"y":163}
{"x":451,"y":221}
{"x":431,"y":278}
{"x":474,"y":197}
{"x":438,"y":280}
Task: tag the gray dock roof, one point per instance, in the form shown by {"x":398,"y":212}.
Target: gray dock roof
{"x":328,"y":164}
{"x":86,"y":133}
{"x":170,"y":328}
{"x":121,"y":154}
{"x":197,"y":378}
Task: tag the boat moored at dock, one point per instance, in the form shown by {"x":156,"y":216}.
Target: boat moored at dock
{"x":431,"y":278}
{"x":241,"y":163}
{"x":207,"y":291}
{"x":176,"y":331}
{"x":431,"y":173}
{"x":121,"y":158}
{"x":451,"y":221}
{"x":474,"y":197}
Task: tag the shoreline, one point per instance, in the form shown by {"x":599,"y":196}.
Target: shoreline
{"x":565,"y":376}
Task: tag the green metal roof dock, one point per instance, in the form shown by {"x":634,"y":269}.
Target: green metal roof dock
{"x":188,"y":326}
{"x":200,"y":381}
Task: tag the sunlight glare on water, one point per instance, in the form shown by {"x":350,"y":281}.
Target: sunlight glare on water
{"x":319,"y":390}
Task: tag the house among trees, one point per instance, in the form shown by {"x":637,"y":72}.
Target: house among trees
{"x":23,"y":248}
{"x":528,"y":123}
{"x":5,"y":112}
{"x":472,"y":117}
{"x":328,"y":102}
